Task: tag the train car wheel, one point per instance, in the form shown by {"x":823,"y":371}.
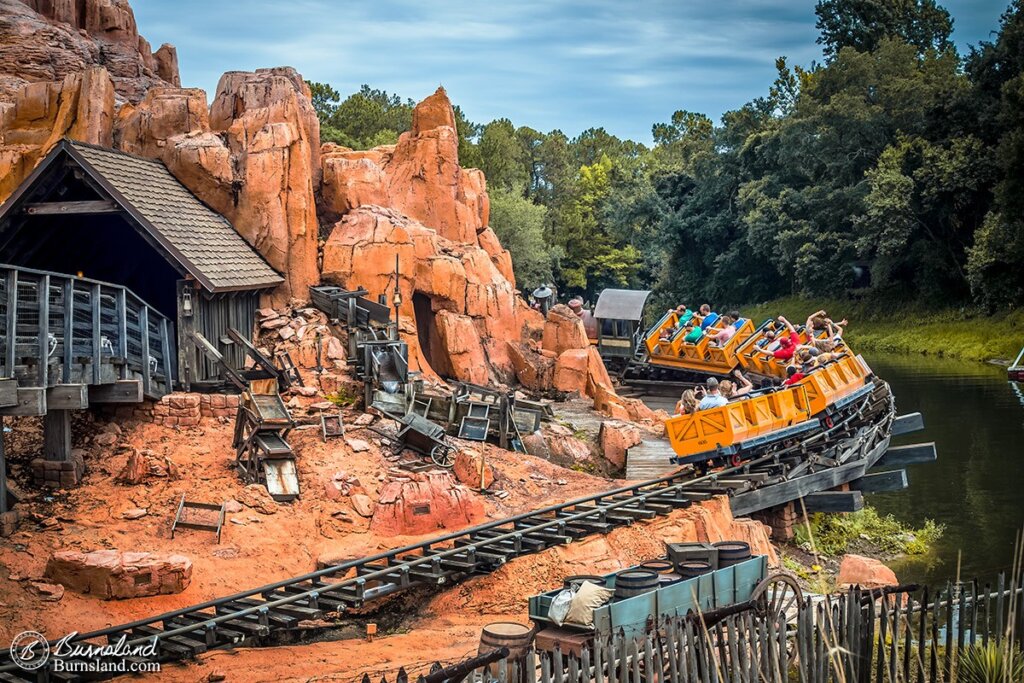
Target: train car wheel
{"x":735,"y":460}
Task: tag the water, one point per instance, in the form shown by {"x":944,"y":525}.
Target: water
{"x":976,"y":488}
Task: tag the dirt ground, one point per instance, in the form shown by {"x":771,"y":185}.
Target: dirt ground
{"x":255,"y":548}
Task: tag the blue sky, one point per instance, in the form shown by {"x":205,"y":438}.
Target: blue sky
{"x":548,"y":64}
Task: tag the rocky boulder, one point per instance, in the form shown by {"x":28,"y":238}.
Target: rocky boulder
{"x":471,"y":469}
{"x":564,"y":446}
{"x":113,"y":574}
{"x":616,"y":438}
{"x":423,"y":503}
{"x":866,"y":572}
{"x":563,"y":330}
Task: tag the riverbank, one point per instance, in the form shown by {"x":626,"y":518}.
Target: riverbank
{"x":953,"y":333}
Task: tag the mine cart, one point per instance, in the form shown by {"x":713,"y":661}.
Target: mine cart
{"x":675,"y":589}
{"x":263,"y":454}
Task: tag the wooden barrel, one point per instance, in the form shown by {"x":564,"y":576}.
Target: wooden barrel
{"x":692,"y":568}
{"x":513,"y":635}
{"x":634,"y":582}
{"x":658,"y":566}
{"x":578,"y":579}
{"x":732,"y":552}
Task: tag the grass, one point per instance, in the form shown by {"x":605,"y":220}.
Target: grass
{"x":344,"y":397}
{"x":964,"y":333}
{"x":834,"y":535}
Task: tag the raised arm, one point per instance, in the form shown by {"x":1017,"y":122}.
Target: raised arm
{"x":789,"y":325}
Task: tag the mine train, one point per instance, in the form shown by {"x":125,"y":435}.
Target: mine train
{"x":678,"y":347}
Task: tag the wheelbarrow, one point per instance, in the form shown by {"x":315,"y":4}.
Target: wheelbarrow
{"x":422,"y":436}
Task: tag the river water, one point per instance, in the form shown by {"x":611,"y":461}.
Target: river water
{"x":976,"y":488}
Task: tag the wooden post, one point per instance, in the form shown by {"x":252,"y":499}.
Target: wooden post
{"x":12,"y":321}
{"x":3,"y":472}
{"x":57,"y":435}
{"x":122,"y":331}
{"x":147,"y":380}
{"x":69,"y":329}
{"x":97,"y":350}
{"x":43,"y":299}
{"x":186,"y":325}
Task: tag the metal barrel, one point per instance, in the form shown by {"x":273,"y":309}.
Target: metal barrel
{"x":578,"y":579}
{"x":693,"y":568}
{"x":635,"y":582}
{"x":732,"y":552}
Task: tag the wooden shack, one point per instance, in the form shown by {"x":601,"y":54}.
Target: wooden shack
{"x":96,"y":215}
{"x":108,"y":266}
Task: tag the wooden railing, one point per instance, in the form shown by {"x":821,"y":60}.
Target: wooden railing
{"x":60,"y":329}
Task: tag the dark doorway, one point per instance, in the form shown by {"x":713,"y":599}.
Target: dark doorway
{"x":424,"y":313}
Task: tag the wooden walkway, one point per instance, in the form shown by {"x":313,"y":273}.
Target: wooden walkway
{"x":66,"y":342}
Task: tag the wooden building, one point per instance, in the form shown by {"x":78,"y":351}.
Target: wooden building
{"x":108,"y":265}
{"x":99,"y":215}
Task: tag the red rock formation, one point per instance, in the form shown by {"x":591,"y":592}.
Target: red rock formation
{"x":81,"y":106}
{"x":480,"y":307}
{"x":111,"y":574}
{"x":419,"y":177}
{"x":471,"y":469}
{"x":866,"y":572}
{"x":422,"y":504}
{"x":47,"y":40}
{"x":254,"y":157}
{"x":616,"y":438}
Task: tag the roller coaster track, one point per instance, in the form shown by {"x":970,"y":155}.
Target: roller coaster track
{"x":271,"y":613}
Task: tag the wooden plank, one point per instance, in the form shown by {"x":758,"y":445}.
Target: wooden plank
{"x":71,"y":207}
{"x":69,"y":328}
{"x":67,"y":397}
{"x":834,"y":501}
{"x":31,"y":403}
{"x":899,"y":456}
{"x":877,"y":482}
{"x":147,"y":379}
{"x":12,"y":321}
{"x":122,"y":391}
{"x":43,"y":300}
{"x":57,"y":435}
{"x":799,"y":487}
{"x":3,"y":474}
{"x":122,"y":330}
{"x":97,"y":335}
{"x":907,"y":424}
{"x":8,"y":393}
{"x":165,"y":354}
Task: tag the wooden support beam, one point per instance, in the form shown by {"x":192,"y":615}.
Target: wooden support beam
{"x":8,"y":393}
{"x":878,"y":482}
{"x":12,"y":321}
{"x":122,"y":391}
{"x":57,"y":435}
{"x":900,"y":456}
{"x":72,"y":207}
{"x":43,"y":295}
{"x":69,"y":329}
{"x":906,"y":424}
{"x":147,"y":379}
{"x":834,"y":501}
{"x":3,"y":474}
{"x":96,"y":315}
{"x":67,"y":397}
{"x":31,"y":403}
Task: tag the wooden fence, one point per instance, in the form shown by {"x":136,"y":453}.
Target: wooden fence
{"x":905,"y":636}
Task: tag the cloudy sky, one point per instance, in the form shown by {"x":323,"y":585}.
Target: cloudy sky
{"x":621,"y":64}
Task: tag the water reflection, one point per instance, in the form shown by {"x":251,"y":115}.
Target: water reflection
{"x":976,"y":418}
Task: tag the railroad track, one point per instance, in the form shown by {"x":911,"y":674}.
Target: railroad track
{"x":267,"y":614}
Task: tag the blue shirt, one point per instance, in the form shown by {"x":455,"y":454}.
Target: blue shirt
{"x":712,"y":401}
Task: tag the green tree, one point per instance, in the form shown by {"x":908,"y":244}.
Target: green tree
{"x":519,"y":224}
{"x":863,"y":24}
{"x":502,"y":158}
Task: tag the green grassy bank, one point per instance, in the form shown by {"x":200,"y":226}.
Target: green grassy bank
{"x":953,"y":332}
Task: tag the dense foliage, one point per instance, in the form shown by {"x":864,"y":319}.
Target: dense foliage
{"x":894,"y":168}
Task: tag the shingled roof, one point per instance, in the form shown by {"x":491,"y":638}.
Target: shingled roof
{"x":202,"y":242}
